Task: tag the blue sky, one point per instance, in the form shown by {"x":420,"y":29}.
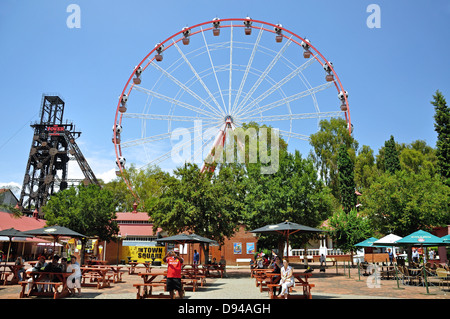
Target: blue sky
{"x":390,"y":72}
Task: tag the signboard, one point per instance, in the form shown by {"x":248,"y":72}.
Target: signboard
{"x":144,"y":253}
{"x":250,"y":248}
{"x":237,"y":248}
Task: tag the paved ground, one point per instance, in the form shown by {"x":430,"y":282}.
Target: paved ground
{"x":239,"y":285}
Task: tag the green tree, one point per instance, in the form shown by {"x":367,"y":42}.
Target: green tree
{"x":348,"y":228}
{"x":365,"y":168}
{"x":325,"y":143}
{"x":293,"y":193}
{"x":442,"y":128}
{"x":391,"y":160}
{"x":147,"y":185}
{"x":89,"y":210}
{"x":346,"y":179}
{"x":404,"y":202}
{"x":200,"y":203}
{"x":418,"y":156}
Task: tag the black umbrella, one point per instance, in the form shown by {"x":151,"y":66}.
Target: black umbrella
{"x":10,"y":233}
{"x":180,"y":239}
{"x":187,"y":239}
{"x":54,"y":232}
{"x":286,"y":229}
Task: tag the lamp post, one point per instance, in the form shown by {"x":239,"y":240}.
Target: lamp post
{"x":119,"y":236}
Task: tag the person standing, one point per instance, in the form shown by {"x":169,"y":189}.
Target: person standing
{"x":174,"y":262}
{"x":196,"y":257}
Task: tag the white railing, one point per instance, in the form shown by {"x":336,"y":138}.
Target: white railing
{"x":314,"y":252}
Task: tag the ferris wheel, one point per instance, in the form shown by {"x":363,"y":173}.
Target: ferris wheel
{"x":206,"y":80}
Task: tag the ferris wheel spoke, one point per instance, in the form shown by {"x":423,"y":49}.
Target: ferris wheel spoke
{"x":263,"y":76}
{"x":294,"y":135}
{"x":156,"y":161}
{"x":285,"y":100}
{"x":185,"y":88}
{"x":164,"y":117}
{"x":213,"y":68}
{"x":231,"y":70}
{"x":176,"y":102}
{"x":198,"y":77}
{"x":247,"y":70}
{"x":279,"y":84}
{"x":288,"y":117}
{"x":159,"y":137}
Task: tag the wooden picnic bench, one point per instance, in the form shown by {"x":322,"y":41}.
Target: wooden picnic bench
{"x":243,"y":260}
{"x":301,"y":280}
{"x":133,"y":267}
{"x":95,"y":277}
{"x":330,"y":260}
{"x":45,"y":284}
{"x":7,"y":270}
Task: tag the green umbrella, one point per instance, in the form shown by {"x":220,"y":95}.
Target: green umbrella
{"x":421,"y":238}
{"x":446,"y":239}
{"x":367,"y":243}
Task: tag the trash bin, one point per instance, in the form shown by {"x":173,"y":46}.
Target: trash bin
{"x":156,"y":263}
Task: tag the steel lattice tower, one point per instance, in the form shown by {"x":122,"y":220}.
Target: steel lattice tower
{"x":52,"y":147}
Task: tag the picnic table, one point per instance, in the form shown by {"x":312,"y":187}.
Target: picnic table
{"x":219,"y":268}
{"x":96,"y":262}
{"x":133,"y":267}
{"x":190,"y":277}
{"x":300,"y":279}
{"x":149,"y":281}
{"x":114,"y":269}
{"x":45,"y":284}
{"x":97,"y":276}
{"x":7,"y":270}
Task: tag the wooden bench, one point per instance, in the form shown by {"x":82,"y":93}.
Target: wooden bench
{"x":330,"y":260}
{"x":95,"y":280}
{"x":306,"y":291}
{"x":54,"y":286}
{"x":243,"y":260}
{"x":149,"y":294}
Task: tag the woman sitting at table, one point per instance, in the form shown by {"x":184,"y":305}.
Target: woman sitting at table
{"x":287,"y":278}
{"x":74,"y":280}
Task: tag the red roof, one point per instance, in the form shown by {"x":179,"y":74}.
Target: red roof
{"x":138,"y":229}
{"x":8,"y":220}
{"x":142,"y":216}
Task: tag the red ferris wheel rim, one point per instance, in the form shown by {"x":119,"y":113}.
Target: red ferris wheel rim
{"x":295,"y":38}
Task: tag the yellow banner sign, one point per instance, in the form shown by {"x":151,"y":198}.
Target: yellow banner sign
{"x":142,"y":254}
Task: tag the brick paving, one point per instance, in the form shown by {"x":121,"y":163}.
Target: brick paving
{"x":239,"y":285}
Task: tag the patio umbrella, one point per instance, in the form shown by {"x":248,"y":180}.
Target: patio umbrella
{"x":446,"y":239}
{"x":54,"y":232}
{"x":387,"y":241}
{"x":180,"y":239}
{"x":186,"y":239}
{"x":421,"y":238}
{"x":286,"y":229}
{"x":367,"y":243}
{"x":11,"y":233}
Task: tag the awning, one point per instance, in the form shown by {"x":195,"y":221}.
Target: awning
{"x":138,"y":243}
